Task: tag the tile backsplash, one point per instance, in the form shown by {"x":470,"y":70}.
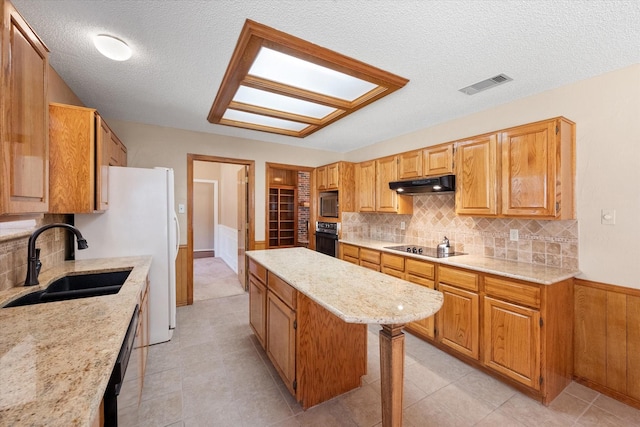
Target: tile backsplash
{"x":13,"y":252}
{"x":551,"y":243}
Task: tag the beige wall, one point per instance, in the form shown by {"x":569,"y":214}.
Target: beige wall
{"x":229,"y":195}
{"x":606,"y":110}
{"x":203,"y":218}
{"x":149,"y":146}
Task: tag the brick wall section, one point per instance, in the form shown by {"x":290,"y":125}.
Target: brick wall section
{"x":304,"y":194}
{"x":13,"y":252}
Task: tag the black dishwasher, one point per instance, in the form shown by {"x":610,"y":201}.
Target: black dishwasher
{"x":117,"y":376}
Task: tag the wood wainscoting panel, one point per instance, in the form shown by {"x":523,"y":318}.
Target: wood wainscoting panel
{"x":260,"y":245}
{"x":607,"y":339}
{"x":181,"y":276}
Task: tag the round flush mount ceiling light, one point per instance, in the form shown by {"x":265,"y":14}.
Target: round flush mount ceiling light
{"x":112,"y":47}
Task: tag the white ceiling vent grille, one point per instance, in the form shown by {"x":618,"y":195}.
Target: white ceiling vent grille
{"x":486,"y":84}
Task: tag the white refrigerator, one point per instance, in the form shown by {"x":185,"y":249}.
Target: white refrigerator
{"x":140,"y":220}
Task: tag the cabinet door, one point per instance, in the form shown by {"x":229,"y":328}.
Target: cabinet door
{"x":366,"y":186}
{"x":333,"y":176}
{"x":410,"y":165}
{"x":529,"y":170}
{"x":424,"y":326}
{"x":281,"y":339}
{"x":512,"y":341}
{"x":24,"y":119}
{"x":458,"y":320}
{"x":477,"y":176}
{"x":438,"y":160}
{"x":103,"y":142}
{"x":386,"y":171}
{"x":321,"y":176}
{"x":258,"y":309}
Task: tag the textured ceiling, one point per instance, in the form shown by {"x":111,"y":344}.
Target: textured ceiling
{"x":182,"y":48}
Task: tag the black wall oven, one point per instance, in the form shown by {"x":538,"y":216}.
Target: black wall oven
{"x":327,"y":238}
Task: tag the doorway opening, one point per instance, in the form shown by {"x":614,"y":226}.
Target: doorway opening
{"x":219,"y":228}
{"x":288,"y":205}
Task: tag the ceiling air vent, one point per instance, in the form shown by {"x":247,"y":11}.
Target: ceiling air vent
{"x":486,"y":84}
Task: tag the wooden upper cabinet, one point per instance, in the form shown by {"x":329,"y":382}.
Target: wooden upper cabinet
{"x":80,"y":153}
{"x":321,"y":176}
{"x":410,"y":165}
{"x":24,"y":117}
{"x":538,"y":170}
{"x":388,"y":200}
{"x":328,"y":177}
{"x":333,"y":176}
{"x":366,"y":186}
{"x":477,"y":176}
{"x":438,"y":160}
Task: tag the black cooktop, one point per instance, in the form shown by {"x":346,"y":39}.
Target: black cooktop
{"x":423,"y":250}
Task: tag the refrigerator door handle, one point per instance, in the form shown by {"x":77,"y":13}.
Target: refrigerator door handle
{"x":175,"y":219}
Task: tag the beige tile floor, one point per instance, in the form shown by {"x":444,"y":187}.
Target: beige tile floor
{"x":214,"y":373}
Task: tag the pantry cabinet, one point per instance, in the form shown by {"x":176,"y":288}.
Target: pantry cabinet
{"x":79,"y":160}
{"x":24,"y":117}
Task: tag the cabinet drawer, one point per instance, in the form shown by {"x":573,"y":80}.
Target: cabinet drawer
{"x":420,"y":268}
{"x":370,"y":256}
{"x":350,"y":259}
{"x":370,"y":265}
{"x":395,"y":262}
{"x":350,"y":251}
{"x":512,"y":291}
{"x":285,"y":291}
{"x":393,"y":272}
{"x":459,"y":278}
{"x":258,"y":270}
{"x":420,"y":281}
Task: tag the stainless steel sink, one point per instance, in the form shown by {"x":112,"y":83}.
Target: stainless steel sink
{"x":75,"y":286}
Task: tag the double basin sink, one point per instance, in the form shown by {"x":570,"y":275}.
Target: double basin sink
{"x":75,"y":286}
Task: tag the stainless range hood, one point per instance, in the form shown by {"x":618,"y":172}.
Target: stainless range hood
{"x":438,"y":184}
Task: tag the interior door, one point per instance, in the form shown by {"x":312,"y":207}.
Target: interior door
{"x":243,"y":216}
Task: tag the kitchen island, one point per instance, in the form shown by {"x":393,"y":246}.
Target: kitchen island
{"x":354,"y":295}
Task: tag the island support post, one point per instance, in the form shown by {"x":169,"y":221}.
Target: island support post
{"x":392,"y":374}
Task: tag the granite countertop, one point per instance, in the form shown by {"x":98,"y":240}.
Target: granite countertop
{"x":56,"y":358}
{"x":353,"y":293}
{"x":516,"y":270}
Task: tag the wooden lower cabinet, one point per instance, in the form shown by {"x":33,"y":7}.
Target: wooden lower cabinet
{"x":421,"y":273}
{"x":317,"y":355}
{"x":370,"y":258}
{"x":350,"y":253}
{"x":257,"y":309}
{"x":458,"y":320}
{"x":518,"y":331}
{"x":512,"y":341}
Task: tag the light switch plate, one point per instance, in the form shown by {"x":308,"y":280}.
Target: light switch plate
{"x":180,"y":208}
{"x":608,"y":216}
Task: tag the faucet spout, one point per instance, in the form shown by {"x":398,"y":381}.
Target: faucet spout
{"x":33,"y":254}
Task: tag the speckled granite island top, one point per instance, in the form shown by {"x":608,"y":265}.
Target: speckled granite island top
{"x":516,"y":270}
{"x":56,"y":358}
{"x":354,"y":294}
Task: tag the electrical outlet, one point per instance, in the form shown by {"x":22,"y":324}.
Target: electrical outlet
{"x":608,"y":216}
{"x":513,"y":234}
{"x":402,"y":225}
